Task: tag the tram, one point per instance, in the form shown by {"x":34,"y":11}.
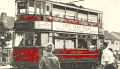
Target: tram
{"x":75,"y":31}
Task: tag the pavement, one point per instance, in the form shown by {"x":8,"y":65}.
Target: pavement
{"x":5,"y":66}
{"x":9,"y":67}
{"x":118,"y":66}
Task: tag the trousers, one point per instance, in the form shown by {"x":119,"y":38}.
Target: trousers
{"x":110,"y":66}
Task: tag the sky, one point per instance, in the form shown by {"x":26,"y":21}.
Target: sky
{"x":110,"y":9}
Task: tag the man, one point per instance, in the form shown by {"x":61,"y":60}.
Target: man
{"x":49,"y":60}
{"x":107,"y":59}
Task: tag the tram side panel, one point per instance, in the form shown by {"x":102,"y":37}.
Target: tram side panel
{"x":74,"y":58}
{"x":26,"y":57}
{"x":29,"y":57}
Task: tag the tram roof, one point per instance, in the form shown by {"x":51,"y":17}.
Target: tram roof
{"x":76,"y":7}
{"x":69,"y":5}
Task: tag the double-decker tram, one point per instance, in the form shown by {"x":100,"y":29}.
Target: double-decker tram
{"x":74,"y":30}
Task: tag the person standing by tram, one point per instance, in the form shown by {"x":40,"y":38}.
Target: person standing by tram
{"x":49,"y":60}
{"x":107,"y":58}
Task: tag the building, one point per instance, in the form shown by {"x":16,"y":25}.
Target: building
{"x":116,"y":42}
{"x":6,"y":28}
{"x":112,"y":39}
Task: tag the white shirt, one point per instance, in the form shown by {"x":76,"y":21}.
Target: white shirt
{"x":107,"y":56}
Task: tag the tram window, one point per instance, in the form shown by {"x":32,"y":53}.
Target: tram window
{"x":29,"y":39}
{"x":41,"y":5}
{"x":34,"y":7}
{"x":48,"y":8}
{"x":59,"y":43}
{"x":82,"y":17}
{"x":100,"y":20}
{"x":69,"y":44}
{"x":31,"y":3}
{"x":38,"y":7}
{"x":70,"y":17}
{"x":58,"y":12}
{"x":22,"y":11}
{"x":38,"y":39}
{"x":70,"y":14}
{"x":47,"y":11}
{"x":22,"y":7}
{"x":24,"y":39}
{"x":94,"y":42}
{"x":82,"y":43}
{"x":92,"y":18}
{"x":44,"y":38}
{"x":19,"y":37}
{"x":31,"y":8}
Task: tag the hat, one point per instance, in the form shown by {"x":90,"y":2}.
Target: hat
{"x":51,"y":45}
